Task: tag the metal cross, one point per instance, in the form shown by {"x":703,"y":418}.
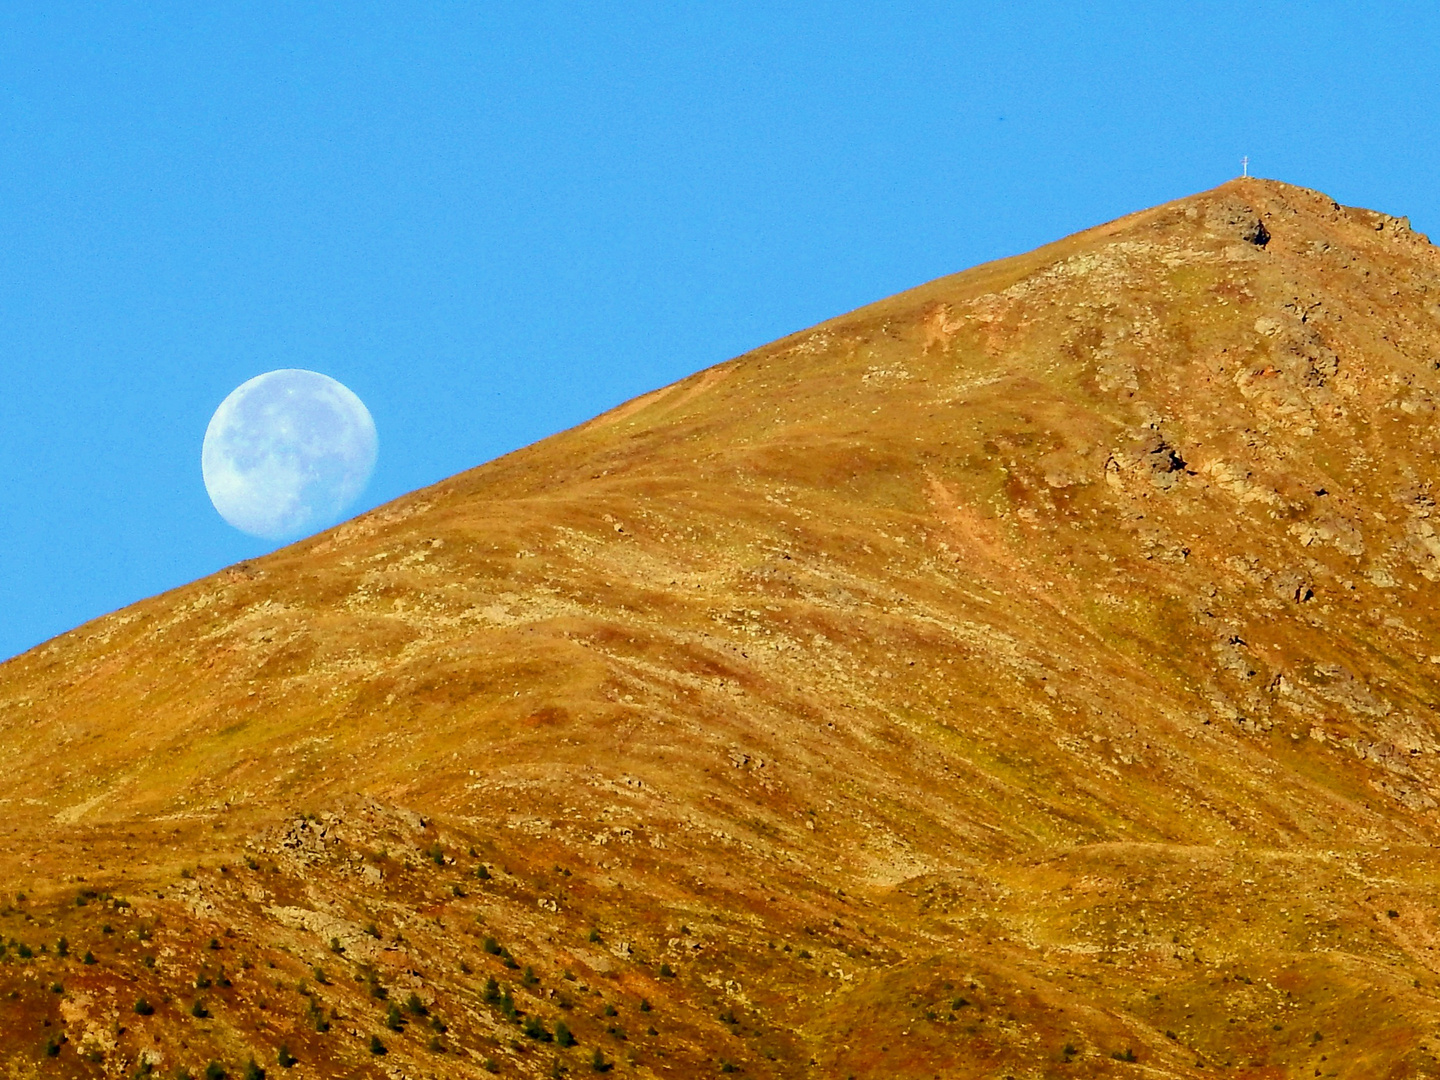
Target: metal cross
{"x":1244,"y":166}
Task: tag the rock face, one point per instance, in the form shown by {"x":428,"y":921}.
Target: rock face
{"x":1031,"y":674}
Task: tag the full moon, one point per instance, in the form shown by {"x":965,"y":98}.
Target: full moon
{"x":288,"y":453}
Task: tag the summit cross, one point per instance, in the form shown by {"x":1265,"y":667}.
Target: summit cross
{"x":1245,"y":166}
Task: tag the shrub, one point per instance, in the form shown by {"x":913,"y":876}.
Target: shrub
{"x":144,"y":1008}
{"x":599,"y":1064}
{"x":594,"y":936}
{"x":563,"y":1035}
{"x":23,"y":951}
{"x":1124,"y":1055}
{"x":199,"y":1011}
{"x":492,"y":992}
{"x":63,"y":947}
{"x":372,"y":930}
{"x":215,"y":1071}
{"x":52,"y":1046}
{"x":285,"y":1058}
{"x":321,"y":977}
{"x":376,"y":1046}
{"x":666,"y":971}
{"x":393,"y":1020}
{"x":436,"y":854}
{"x":482,"y":872}
{"x":489,"y":1065}
{"x":89,"y":957}
{"x":414,"y":1005}
{"x":644,"y":1004}
{"x":534,"y":1028}
{"x":528,"y":978}
{"x":214,"y":945}
{"x":491,"y":946}
{"x":336,"y":947}
{"x":376,"y":990}
{"x":253,"y":1071}
{"x":435,"y":1046}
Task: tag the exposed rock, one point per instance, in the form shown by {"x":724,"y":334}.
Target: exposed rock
{"x":1232,"y":218}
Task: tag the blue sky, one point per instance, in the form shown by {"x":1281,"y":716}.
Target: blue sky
{"x":494,"y":221}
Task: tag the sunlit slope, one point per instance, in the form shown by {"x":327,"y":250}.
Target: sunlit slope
{"x":1028,"y":669}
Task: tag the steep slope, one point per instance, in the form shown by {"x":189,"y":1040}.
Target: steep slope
{"x":1027,"y":675}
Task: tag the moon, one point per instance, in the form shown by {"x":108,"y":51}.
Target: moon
{"x":287,"y":453}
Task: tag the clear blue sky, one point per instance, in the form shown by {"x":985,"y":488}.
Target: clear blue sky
{"x":492,"y":221}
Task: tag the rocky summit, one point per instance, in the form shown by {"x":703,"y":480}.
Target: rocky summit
{"x":1033,"y":674}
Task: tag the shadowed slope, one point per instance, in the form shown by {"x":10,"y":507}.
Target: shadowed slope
{"x":1021,"y":675}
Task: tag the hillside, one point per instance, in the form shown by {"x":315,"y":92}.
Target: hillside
{"x":1032,"y":674}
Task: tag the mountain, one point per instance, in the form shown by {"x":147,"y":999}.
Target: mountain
{"x":1032,"y":674}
